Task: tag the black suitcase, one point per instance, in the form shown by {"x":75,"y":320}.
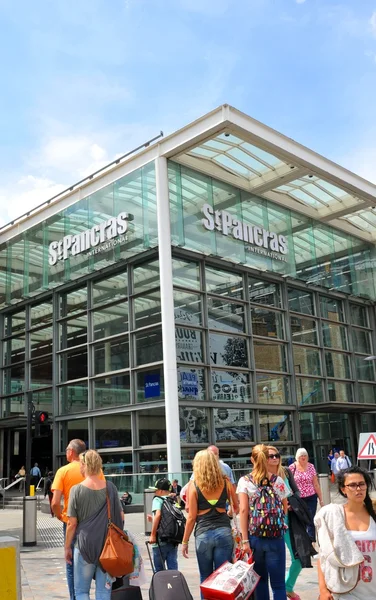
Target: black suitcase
{"x":168,"y":584}
{"x":121,"y":590}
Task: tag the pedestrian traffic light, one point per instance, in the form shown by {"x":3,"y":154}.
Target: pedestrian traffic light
{"x":41,"y":422}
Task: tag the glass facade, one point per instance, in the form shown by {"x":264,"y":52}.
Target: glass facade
{"x":273,"y":323}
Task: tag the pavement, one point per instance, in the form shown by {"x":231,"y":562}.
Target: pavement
{"x":43,"y":567}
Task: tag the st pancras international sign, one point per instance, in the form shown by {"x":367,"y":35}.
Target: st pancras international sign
{"x":258,"y":239}
{"x":99,"y":238}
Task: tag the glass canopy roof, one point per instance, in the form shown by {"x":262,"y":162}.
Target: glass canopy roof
{"x":246,"y":160}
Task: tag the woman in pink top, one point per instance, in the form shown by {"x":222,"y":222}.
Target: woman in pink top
{"x":306,"y":479}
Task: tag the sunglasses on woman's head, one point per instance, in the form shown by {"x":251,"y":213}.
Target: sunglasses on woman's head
{"x":83,"y":457}
{"x":274,"y":456}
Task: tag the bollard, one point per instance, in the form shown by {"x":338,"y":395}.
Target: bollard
{"x":325,"y":489}
{"x":32,"y":490}
{"x":29,"y":530}
{"x":148,"y":501}
{"x":10,"y":569}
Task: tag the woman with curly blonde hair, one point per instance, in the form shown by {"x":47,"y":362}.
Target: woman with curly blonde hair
{"x":207,"y":510}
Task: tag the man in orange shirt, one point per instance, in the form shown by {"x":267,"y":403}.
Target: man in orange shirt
{"x":66,"y":477}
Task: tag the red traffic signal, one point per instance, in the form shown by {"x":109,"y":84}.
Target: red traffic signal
{"x":41,"y":417}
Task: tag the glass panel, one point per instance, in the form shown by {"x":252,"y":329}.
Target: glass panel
{"x":145,"y":277}
{"x":306,"y":360}
{"x":331,"y":308}
{"x":303,"y":330}
{"x":73,"y":332}
{"x":367,"y":394}
{"x":14,"y":350}
{"x":77,"y":429}
{"x":186,"y":273}
{"x":43,"y":400}
{"x":73,"y":398}
{"x":117,"y":464}
{"x":73,"y":365}
{"x":233,"y":425}
{"x":41,"y":342}
{"x":112,"y":391}
{"x":110,"y":320}
{"x":230,"y":387}
{"x":152,"y":426}
{"x":340,"y":392}
{"x":147,"y":309}
{"x":149,"y":346}
{"x":14,"y":406}
{"x":224,"y":283}
{"x":15,"y":322}
{"x":337,"y":365}
{"x":364,"y":369}
{"x":41,"y":373}
{"x":110,"y":289}
{"x":188,"y":345}
{"x":227,"y":351}
{"x":358,"y":315}
{"x":264,"y":292}
{"x":309,"y":391}
{"x":73,"y":302}
{"x":41,"y":314}
{"x":14,"y":379}
{"x":191,"y":383}
{"x":111,"y":356}
{"x":152,"y":462}
{"x":193,"y":425}
{"x":361,"y":341}
{"x":225,"y":315}
{"x":273,"y":389}
{"x":267,"y":323}
{"x":150,"y":385}
{"x":187,"y":308}
{"x":113,"y":431}
{"x":275,"y":427}
{"x":300,"y":301}
{"x":335,"y":336}
{"x":269,"y":356}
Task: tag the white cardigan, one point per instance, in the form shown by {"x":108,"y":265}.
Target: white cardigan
{"x":339,"y":555}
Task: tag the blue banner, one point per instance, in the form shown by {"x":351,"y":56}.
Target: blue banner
{"x":152,"y":386}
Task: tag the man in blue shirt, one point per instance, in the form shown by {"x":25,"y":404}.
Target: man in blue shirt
{"x":226,"y":470}
{"x":35,"y":475}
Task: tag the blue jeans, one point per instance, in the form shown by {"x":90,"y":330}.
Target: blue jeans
{"x":83,"y":575}
{"x":213,"y":548}
{"x":70,"y":568}
{"x":169,"y":556}
{"x":311,"y":503}
{"x":270,"y":562}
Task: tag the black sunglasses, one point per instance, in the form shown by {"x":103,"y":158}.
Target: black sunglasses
{"x":274,"y":456}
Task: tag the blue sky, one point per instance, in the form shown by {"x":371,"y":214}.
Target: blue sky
{"x":83,"y":81}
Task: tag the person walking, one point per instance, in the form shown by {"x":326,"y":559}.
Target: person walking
{"x":308,"y":484}
{"x":35,"y":475}
{"x":47,"y":489}
{"x":347,"y":532}
{"x":164,"y":552}
{"x":334,"y":467}
{"x":263,"y":530}
{"x":65,"y":478}
{"x":275,"y":467}
{"x":330,"y":458}
{"x":227,"y":471}
{"x":207,"y":498}
{"x":87,"y":527}
{"x":343,"y":461}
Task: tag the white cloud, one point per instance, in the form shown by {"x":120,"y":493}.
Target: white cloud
{"x":19,"y":197}
{"x":372,"y":22}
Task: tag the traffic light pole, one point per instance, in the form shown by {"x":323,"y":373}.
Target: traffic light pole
{"x":29,"y":439}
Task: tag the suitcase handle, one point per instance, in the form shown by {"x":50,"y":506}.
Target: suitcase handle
{"x":148,"y":544}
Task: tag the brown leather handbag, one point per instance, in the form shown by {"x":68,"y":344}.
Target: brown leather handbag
{"x":116,"y":558}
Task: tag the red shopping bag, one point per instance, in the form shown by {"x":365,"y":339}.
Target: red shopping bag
{"x":230,"y":582}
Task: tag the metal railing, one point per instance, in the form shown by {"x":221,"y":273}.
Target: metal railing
{"x":3,"y":490}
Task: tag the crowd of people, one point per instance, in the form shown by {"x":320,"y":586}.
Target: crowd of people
{"x":274,"y":507}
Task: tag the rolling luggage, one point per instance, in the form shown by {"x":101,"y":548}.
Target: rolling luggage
{"x":168,"y":584}
{"x":121,"y":590}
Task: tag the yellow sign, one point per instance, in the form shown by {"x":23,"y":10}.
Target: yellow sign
{"x":8,"y":573}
